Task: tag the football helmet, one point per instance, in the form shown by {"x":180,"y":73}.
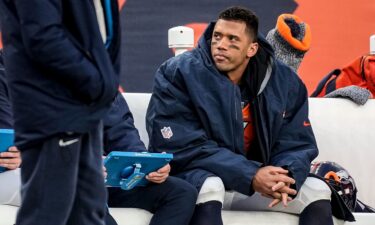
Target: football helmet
{"x":339,"y":179}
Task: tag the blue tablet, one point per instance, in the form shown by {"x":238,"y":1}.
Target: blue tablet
{"x":128,"y":169}
{"x":6,"y":141}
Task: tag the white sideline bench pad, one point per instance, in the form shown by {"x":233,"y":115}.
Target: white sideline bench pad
{"x":130,"y":216}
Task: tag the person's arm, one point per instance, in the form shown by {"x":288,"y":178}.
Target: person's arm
{"x":48,"y":43}
{"x":6,"y":118}
{"x":174,"y":126}
{"x":120,"y":133}
{"x":295,"y":147}
{"x":10,"y":159}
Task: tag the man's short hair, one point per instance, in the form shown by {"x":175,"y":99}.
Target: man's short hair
{"x":237,"y":13}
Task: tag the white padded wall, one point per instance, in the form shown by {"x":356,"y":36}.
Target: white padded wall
{"x":345,"y":133}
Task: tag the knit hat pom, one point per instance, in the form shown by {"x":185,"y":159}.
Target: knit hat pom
{"x":294,"y":31}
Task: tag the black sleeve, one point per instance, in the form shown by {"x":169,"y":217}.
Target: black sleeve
{"x":174,"y":127}
{"x":120,"y":133}
{"x":6,"y":118}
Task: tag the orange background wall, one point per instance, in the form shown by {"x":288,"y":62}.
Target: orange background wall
{"x":340,"y":33}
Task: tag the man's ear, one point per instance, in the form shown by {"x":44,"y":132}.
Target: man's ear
{"x":252,"y":50}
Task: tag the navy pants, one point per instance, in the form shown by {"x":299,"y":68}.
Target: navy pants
{"x":62,"y":181}
{"x":171,"y":202}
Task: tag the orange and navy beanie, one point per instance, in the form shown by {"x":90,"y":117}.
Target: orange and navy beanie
{"x":290,"y":39}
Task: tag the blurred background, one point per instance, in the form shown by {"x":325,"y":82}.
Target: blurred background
{"x":340,"y":32}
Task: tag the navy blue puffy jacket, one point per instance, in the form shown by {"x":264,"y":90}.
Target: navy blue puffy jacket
{"x":202,"y":108}
{"x":60,"y":75}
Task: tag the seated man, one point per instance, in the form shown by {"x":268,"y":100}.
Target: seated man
{"x":236,"y":118}
{"x":10,"y":160}
{"x":171,"y":199}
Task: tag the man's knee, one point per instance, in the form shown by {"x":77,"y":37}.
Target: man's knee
{"x":212,"y":190}
{"x":183,"y":188}
{"x":313,"y":190}
{"x":318,"y":187}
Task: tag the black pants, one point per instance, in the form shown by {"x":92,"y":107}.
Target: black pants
{"x":171,"y":202}
{"x":62,"y":181}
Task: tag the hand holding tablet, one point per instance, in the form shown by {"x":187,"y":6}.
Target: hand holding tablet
{"x":128,"y":169}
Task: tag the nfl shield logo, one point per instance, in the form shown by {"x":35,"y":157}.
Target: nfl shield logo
{"x":166,"y":132}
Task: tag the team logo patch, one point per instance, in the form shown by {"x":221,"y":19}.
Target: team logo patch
{"x":166,"y":132}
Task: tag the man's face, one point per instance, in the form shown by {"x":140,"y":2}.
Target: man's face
{"x":231,"y":45}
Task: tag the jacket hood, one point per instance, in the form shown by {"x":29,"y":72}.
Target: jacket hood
{"x":259,"y":68}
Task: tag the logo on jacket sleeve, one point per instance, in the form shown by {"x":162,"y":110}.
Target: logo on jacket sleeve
{"x":166,"y":132}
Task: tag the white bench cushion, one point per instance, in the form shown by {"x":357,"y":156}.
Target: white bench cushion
{"x":131,"y":216}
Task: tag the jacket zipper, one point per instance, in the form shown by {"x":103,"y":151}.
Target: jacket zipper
{"x":259,"y":131}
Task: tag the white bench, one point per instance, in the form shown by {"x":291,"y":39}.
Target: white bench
{"x":344,"y":132}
